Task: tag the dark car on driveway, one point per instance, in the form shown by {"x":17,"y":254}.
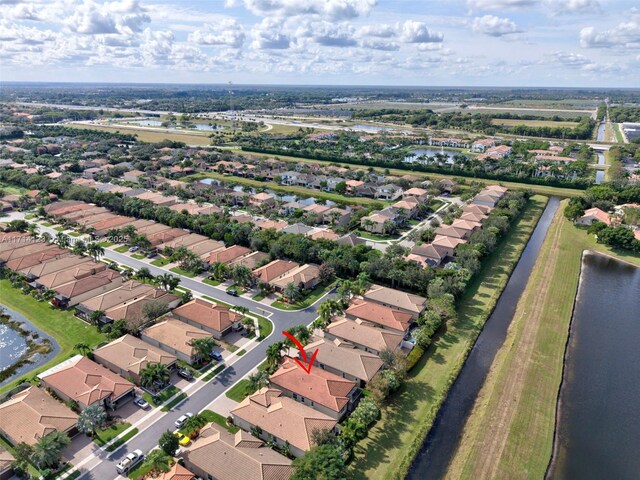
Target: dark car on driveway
{"x":185,"y":373}
{"x":217,"y":356}
{"x":233,"y":293}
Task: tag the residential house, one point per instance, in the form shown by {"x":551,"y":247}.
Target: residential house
{"x":175,"y":337}
{"x":129,"y":291}
{"x":350,"y":239}
{"x":388,"y":192}
{"x":419,"y":193}
{"x":324,"y":391}
{"x":305,"y":277}
{"x":262,"y":200}
{"x":32,"y":414}
{"x":273,"y":224}
{"x":88,"y":383}
{"x":363,"y":335}
{"x":380,"y":315}
{"x":396,"y":299}
{"x":227,"y":255}
{"x":433,"y":255}
{"x":251,"y":261}
{"x":53,"y":265}
{"x":345,"y":360}
{"x":447,"y":244}
{"x":408,"y":205}
{"x":219,"y":455}
{"x":447,"y":186}
{"x":6,"y":464}
{"x":481,"y":145}
{"x":62,"y":277}
{"x":594,"y":215}
{"x":273,"y":270}
{"x":216,"y":319}
{"x":451,"y":231}
{"x":297,"y":228}
{"x":128,"y":356}
{"x":281,"y":419}
{"x":134,"y":311}
{"x":132,"y":176}
{"x":176,"y":472}
{"x":83,"y":288}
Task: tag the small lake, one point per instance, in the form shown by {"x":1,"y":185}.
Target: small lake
{"x":13,"y":346}
{"x":418,"y":154}
{"x":149,"y":123}
{"x":197,"y":126}
{"x":279,"y":196}
{"x":598,"y":432}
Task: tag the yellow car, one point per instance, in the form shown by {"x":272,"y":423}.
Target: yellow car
{"x":182,"y":439}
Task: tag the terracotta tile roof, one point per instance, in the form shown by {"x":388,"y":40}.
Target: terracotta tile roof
{"x":132,"y":354}
{"x":32,"y":414}
{"x":597,"y":213}
{"x":226,"y":255}
{"x":54,"y":265}
{"x":251,"y":261}
{"x":85,"y":381}
{"x":6,"y":460}
{"x":274,"y":269}
{"x":283,"y":417}
{"x":21,"y":249}
{"x":466,"y":224}
{"x":346,"y":358}
{"x":216,"y":317}
{"x":32,"y":260}
{"x":175,"y":334}
{"x":325,"y":234}
{"x":364,"y":333}
{"x":320,"y":386}
{"x":77,"y":272}
{"x":396,"y":298}
{"x":127,"y":292}
{"x":133,"y":310}
{"x":478,"y":209}
{"x":176,"y":472}
{"x":379,"y":314}
{"x":415,"y":191}
{"x":446,"y":241}
{"x":83,"y":285}
{"x":184,"y":241}
{"x":225,"y":456}
{"x":299,"y":275}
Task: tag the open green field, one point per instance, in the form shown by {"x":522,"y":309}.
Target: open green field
{"x":509,"y":433}
{"x":309,"y":299}
{"x":60,"y":324}
{"x":510,"y":122}
{"x":9,"y":189}
{"x":286,"y":189}
{"x":538,"y":189}
{"x":564,"y":104}
{"x":617,"y":128}
{"x":148,"y":135}
{"x":393,"y":442}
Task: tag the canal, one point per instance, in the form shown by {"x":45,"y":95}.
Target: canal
{"x":598,"y":429}
{"x":442,"y":440}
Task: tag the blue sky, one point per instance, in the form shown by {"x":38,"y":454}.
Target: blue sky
{"x":574,"y":43}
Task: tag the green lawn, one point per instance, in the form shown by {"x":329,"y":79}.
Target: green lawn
{"x":122,"y":440}
{"x":213,"y":373}
{"x":180,"y":271}
{"x":105,"y":435}
{"x":617,"y":129}
{"x":517,"y":404}
{"x":122,"y":249}
{"x":396,"y":438}
{"x":75,"y":234}
{"x":47,"y":224}
{"x":241,"y":352}
{"x":162,"y":397}
{"x":174,"y":402}
{"x":105,"y":244}
{"x":138,"y":256}
{"x":240,"y":391}
{"x":62,"y":325}
{"x":258,"y":297}
{"x":216,"y":418}
{"x":213,"y":283}
{"x":374,"y":236}
{"x":60,"y":229}
{"x":308,"y":300}
{"x":265,"y":325}
{"x":161,"y":262}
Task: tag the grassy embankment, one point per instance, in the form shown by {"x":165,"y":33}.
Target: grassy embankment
{"x":510,"y":431}
{"x":149,"y":135}
{"x":538,"y":189}
{"x":510,"y":122}
{"x":61,"y":325}
{"x":285,"y":189}
{"x":393,"y":442}
{"x":617,"y":128}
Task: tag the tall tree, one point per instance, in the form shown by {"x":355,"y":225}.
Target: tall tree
{"x":47,"y":453}
{"x":169,"y":443}
{"x":91,"y":419}
{"x":95,"y":250}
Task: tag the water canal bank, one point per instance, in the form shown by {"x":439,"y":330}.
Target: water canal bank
{"x":442,"y":439}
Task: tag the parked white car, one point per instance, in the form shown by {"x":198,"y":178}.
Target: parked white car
{"x":183,"y":419}
{"x":129,"y":462}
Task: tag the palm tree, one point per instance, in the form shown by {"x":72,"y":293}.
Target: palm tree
{"x":62,"y":240}
{"x":258,"y":380}
{"x":325,"y":311}
{"x":144,"y":274}
{"x":168,"y":281}
{"x":48,"y":451}
{"x":46,"y":236}
{"x":158,"y":461}
{"x":96,"y":316}
{"x":242,"y":311}
{"x":95,"y":250}
{"x":291,"y":292}
{"x":154,"y":373}
{"x":219,"y":271}
{"x":241,"y":275}
{"x":79,"y":248}
{"x":203,"y":347}
{"x":91,"y":419}
{"x":274,"y":353}
{"x":33,"y":229}
{"x":83,"y":349}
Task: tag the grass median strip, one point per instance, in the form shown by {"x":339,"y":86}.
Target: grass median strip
{"x":393,"y":442}
{"x":160,"y":398}
{"x":122,"y":440}
{"x":174,"y":402}
{"x":509,"y":433}
{"x":105,"y":435}
{"x":213,"y":373}
{"x":240,"y":391}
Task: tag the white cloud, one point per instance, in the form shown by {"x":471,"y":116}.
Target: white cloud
{"x":570,"y":59}
{"x":625,"y":35}
{"x":126,"y":17}
{"x":332,"y":35}
{"x":418,"y":32}
{"x":500,"y":4}
{"x":379,"y":30}
{"x":268,"y":35}
{"x":494,"y":26}
{"x":225,"y":32}
{"x":329,"y":9}
{"x":561,"y":7}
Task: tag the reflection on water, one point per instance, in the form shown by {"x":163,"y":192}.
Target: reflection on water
{"x":12,"y":347}
{"x":598,"y":434}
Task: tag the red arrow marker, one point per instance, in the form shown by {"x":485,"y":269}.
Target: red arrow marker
{"x":304,"y":354}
